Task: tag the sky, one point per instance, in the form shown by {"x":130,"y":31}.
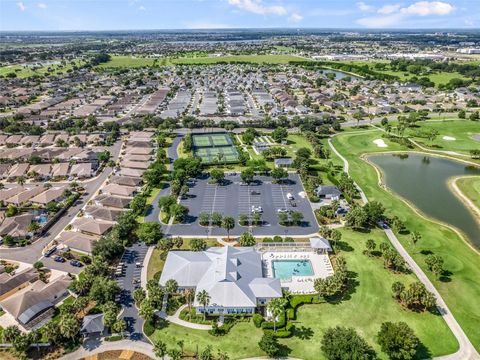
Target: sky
{"x":32,"y":15}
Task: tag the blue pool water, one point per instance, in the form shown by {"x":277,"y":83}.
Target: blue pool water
{"x":285,"y":269}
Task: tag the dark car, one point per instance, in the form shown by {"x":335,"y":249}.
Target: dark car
{"x":76,"y":263}
{"x":59,"y":259}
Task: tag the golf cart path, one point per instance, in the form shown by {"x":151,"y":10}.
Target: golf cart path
{"x":466,"y":350}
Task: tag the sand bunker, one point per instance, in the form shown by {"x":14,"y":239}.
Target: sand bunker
{"x":476,"y":137}
{"x":380,"y":143}
{"x":449,"y":138}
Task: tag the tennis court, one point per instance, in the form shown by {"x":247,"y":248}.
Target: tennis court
{"x":216,"y":148}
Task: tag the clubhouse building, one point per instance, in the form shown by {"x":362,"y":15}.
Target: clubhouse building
{"x":232,"y":276}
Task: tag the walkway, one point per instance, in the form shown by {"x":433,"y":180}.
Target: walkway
{"x":175,"y":319}
{"x":95,"y":346}
{"x":466,"y":350}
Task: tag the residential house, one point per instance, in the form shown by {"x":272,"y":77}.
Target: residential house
{"x":120,"y":190}
{"x":112,"y":201}
{"x":91,"y":226}
{"x":17,"y":226}
{"x":53,"y":194}
{"x":33,"y":305}
{"x":11,"y":283}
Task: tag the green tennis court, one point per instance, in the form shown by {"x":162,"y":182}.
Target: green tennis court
{"x":216,"y":148}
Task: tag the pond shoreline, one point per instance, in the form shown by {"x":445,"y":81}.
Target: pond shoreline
{"x":452,"y":184}
{"x":381,"y":183}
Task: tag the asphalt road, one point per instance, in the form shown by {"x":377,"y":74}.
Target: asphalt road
{"x":33,"y":252}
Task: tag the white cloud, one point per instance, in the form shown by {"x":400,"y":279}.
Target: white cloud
{"x":21,"y":6}
{"x":257,"y":7}
{"x":365,"y":7}
{"x":424,"y":8}
{"x":388,"y":9}
{"x":295,"y":18}
{"x":41,"y":5}
{"x":392,"y":15}
{"x":142,"y":8}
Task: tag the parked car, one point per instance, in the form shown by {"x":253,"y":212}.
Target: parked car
{"x":76,"y":263}
{"x":282,"y":210}
{"x":59,"y":259}
{"x":255,"y":192}
{"x":290,"y":196}
{"x":257,"y":209}
{"x":50,"y":251}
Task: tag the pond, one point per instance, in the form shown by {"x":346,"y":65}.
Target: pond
{"x":423,"y":181}
{"x":339,"y":75}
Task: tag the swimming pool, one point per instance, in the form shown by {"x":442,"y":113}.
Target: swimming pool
{"x":285,"y":269}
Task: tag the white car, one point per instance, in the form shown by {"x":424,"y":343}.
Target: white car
{"x":282,"y":211}
{"x":290,"y":196}
{"x":257,"y":209}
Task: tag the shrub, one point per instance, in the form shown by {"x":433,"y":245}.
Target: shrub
{"x":279,"y":324}
{"x":148,"y":328}
{"x":258,"y":320}
{"x":291,"y":314}
{"x":114,"y":338}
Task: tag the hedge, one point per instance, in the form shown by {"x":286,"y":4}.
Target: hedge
{"x":258,"y":320}
{"x":278,"y":325}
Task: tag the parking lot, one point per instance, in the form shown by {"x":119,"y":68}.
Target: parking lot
{"x":234,"y":198}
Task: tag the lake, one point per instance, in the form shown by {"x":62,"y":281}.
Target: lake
{"x":423,"y":180}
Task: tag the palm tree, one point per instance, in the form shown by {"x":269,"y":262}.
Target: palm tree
{"x":276,"y":307}
{"x":21,"y":180}
{"x":203,"y":297}
{"x":189,"y":297}
{"x":228,"y":223}
{"x":69,"y":326}
{"x":160,"y":349}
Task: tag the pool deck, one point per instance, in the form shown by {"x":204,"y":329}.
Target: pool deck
{"x":321,"y":265}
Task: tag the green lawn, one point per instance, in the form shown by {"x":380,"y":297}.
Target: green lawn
{"x":24,"y":71}
{"x":122,"y":61}
{"x":470,"y":187}
{"x":463,"y":291}
{"x":150,"y":199}
{"x":369,"y":305}
{"x":255,"y":59}
{"x":461,"y":130}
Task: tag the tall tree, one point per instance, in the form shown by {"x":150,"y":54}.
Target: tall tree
{"x":228,"y":223}
{"x":203,"y":297}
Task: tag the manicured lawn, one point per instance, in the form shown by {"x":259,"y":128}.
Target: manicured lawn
{"x":370,"y":304}
{"x":135,"y":62}
{"x":127,"y":62}
{"x":24,"y":71}
{"x":255,"y":59}
{"x":150,"y":199}
{"x":470,"y":187}
{"x":461,"y":130}
{"x":463,"y":290}
{"x":241,"y":342}
{"x":155,"y":264}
